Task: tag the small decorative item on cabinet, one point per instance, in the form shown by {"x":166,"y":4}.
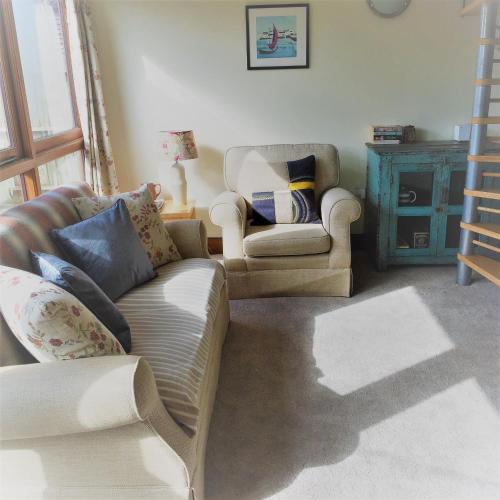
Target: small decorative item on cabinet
{"x":420,"y":240}
{"x":414,"y":202}
{"x":409,"y":134}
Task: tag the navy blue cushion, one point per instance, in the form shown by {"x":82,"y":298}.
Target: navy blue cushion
{"x":107,"y":248}
{"x":81,"y":286}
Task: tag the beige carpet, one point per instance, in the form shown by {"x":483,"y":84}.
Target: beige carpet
{"x":392,"y":394}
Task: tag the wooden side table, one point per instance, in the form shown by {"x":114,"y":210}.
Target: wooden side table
{"x":171,"y":212}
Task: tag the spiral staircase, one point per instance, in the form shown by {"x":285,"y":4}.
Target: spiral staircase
{"x":480,"y":231}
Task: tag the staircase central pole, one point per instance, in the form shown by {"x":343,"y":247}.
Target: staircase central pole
{"x":482,"y":95}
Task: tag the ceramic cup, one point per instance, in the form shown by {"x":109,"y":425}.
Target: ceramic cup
{"x":154,"y":189}
{"x":407,"y":196}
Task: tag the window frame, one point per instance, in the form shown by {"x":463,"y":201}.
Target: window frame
{"x":27,"y":154}
{"x":8,"y":98}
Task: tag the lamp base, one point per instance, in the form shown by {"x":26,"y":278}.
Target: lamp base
{"x":177,"y":185}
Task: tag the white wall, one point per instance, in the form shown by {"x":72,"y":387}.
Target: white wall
{"x":182,"y":64}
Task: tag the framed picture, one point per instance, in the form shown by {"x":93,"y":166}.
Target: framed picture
{"x":277,"y":36}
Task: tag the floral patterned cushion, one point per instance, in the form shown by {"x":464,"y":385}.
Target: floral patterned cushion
{"x":152,"y":232}
{"x":51,"y":323}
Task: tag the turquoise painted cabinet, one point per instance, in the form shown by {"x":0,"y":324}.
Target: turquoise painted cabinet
{"x":414,"y":202}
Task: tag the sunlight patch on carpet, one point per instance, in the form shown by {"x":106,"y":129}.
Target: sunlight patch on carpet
{"x":438,"y":449}
{"x":361,"y":343}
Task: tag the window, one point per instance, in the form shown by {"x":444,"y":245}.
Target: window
{"x":40,"y":135}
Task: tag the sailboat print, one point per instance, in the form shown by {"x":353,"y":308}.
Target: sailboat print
{"x":273,"y":45}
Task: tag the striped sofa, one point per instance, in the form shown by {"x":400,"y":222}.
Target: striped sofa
{"x":131,"y":426}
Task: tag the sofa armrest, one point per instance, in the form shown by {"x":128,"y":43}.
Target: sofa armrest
{"x":68,"y":397}
{"x":190,"y":237}
{"x":229,"y":211}
{"x":339,"y":208}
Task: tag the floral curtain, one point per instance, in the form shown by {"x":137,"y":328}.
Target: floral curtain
{"x":100,"y":171}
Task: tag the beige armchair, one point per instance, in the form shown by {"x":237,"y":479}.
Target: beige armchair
{"x":284,"y":259}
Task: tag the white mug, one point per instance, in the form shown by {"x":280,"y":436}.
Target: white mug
{"x":154,"y":189}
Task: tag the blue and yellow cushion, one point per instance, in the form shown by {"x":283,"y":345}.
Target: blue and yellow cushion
{"x":294,"y":205}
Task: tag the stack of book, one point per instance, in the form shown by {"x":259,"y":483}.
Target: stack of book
{"x":386,"y":134}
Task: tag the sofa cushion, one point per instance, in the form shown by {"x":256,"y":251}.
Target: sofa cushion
{"x":172,"y":319}
{"x":107,"y":248}
{"x":50,"y":323}
{"x":83,"y":287}
{"x":145,"y":217}
{"x":285,"y":239}
{"x":26,"y":226}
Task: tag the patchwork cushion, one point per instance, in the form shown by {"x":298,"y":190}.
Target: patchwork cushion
{"x":145,"y":217}
{"x":286,"y":239}
{"x":293,"y":206}
{"x":77,"y":283}
{"x":172,"y":319}
{"x":107,"y":248}
{"x":51,"y":323}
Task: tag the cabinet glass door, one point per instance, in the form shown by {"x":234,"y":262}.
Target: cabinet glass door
{"x":450,"y":209}
{"x":414,"y":198}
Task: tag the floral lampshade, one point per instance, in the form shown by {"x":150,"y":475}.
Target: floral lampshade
{"x":178,"y":145}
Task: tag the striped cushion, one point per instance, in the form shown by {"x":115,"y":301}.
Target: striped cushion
{"x":172,"y":319}
{"x":26,"y":227}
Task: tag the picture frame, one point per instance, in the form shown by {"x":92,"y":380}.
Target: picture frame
{"x":277,"y":36}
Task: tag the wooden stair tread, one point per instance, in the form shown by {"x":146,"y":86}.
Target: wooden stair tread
{"x":491,"y":174}
{"x":486,"y":120}
{"x":472,"y":7}
{"x":489,"y":41}
{"x":489,"y":210}
{"x":484,"y":158}
{"x":487,"y":81}
{"x":485,"y":266}
{"x":485,"y":228}
{"x":491,"y":194}
{"x":482,"y":244}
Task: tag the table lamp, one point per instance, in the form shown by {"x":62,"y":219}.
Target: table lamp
{"x":178,"y":145}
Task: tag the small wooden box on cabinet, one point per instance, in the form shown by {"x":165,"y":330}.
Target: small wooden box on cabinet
{"x":414,"y":202}
{"x":172,"y":212}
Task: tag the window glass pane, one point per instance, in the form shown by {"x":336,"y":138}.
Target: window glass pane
{"x":39,"y":27}
{"x":413,"y":232}
{"x":457,"y":184}
{"x":61,"y":171}
{"x":415,"y":188}
{"x":453,"y":231}
{"x":11,"y":193}
{"x":4,"y":131}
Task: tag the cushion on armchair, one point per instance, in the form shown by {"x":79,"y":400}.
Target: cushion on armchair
{"x":286,"y":239}
{"x":296,"y":205}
